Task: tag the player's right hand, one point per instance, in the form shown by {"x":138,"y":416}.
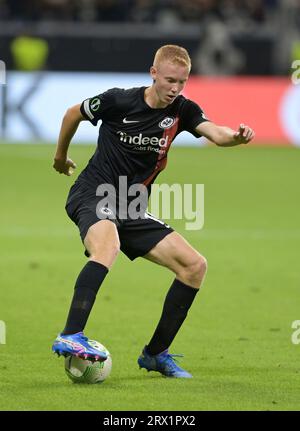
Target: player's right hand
{"x":64,"y":166}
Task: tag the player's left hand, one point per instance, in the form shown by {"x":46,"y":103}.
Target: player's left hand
{"x":244,"y":135}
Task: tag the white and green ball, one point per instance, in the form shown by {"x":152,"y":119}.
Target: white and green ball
{"x":84,"y":371}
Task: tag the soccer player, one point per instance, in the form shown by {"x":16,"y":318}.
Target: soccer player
{"x":138,"y":127}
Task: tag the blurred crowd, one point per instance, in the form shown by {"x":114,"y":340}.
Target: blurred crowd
{"x":152,"y":11}
{"x":222,"y":23}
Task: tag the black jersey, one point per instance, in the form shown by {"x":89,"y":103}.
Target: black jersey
{"x":134,"y":139}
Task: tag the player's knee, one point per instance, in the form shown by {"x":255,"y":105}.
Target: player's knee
{"x":198,"y":270}
{"x":105,"y":255}
{"x":203,"y":265}
{"x":194,"y":273}
{"x":102,"y":242}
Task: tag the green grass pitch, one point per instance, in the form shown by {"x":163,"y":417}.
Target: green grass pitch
{"x":237,"y":336}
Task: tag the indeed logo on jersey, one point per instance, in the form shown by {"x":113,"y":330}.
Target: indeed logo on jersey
{"x":143,"y":140}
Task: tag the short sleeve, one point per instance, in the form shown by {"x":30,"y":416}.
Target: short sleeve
{"x":192,"y":115}
{"x":97,"y":107}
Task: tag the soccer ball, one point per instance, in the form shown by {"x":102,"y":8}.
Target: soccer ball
{"x":84,"y":371}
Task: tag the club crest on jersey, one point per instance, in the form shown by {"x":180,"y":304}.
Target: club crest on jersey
{"x":167,"y":122}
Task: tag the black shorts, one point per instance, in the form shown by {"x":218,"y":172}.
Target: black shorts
{"x":137,"y":237}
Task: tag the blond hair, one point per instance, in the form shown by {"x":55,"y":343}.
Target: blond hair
{"x":173,"y":54}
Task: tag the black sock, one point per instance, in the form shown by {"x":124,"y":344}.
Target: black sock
{"x":176,"y":306}
{"x":86,"y":288}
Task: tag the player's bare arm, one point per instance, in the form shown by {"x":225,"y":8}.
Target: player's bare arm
{"x":70,"y":123}
{"x":225,"y":136}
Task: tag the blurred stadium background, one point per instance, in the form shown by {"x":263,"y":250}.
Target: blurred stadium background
{"x":77,"y":48}
{"x":238,"y":340}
